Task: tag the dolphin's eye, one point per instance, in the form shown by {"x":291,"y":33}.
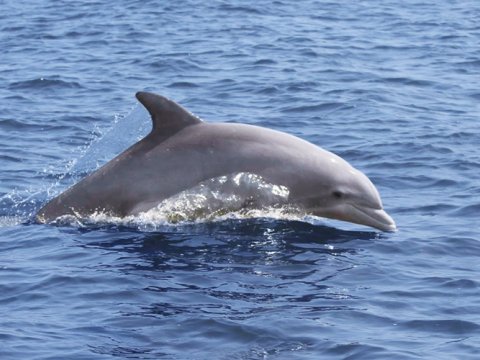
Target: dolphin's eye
{"x":337,"y":194}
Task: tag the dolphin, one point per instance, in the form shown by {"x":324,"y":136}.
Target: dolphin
{"x":181,"y":151}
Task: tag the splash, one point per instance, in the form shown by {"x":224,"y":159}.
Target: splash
{"x":125,"y":131}
{"x":241,"y":193}
{"x":6,"y":221}
{"x":20,"y":204}
{"x":236,"y":196}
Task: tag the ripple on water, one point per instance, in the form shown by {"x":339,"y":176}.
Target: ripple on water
{"x":315,"y":108}
{"x":450,"y":327}
{"x":469,"y":211}
{"x":44,"y":83}
{"x":182,"y":85}
{"x":390,"y":87}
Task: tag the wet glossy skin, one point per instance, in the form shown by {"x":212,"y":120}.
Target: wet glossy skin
{"x":182,"y":151}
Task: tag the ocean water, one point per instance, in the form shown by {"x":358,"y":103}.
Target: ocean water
{"x":392,"y":87}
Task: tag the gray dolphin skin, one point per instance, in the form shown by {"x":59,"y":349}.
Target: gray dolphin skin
{"x":181,"y":151}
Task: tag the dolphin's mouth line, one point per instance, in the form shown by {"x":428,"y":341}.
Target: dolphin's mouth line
{"x":378,"y":217}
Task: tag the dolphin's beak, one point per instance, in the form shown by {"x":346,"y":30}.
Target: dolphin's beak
{"x":377,"y":218}
{"x":363,"y":215}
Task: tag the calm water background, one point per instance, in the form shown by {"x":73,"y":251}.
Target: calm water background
{"x":393,"y":87}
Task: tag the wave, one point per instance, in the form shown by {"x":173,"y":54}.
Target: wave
{"x":314,"y":108}
{"x":44,"y":83}
{"x":236,"y":196}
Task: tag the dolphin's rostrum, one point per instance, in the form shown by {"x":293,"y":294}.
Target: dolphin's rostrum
{"x":181,"y":151}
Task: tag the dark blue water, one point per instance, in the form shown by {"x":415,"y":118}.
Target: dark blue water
{"x":393,"y":87}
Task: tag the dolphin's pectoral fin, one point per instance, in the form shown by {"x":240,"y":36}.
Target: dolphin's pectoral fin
{"x":167,"y":116}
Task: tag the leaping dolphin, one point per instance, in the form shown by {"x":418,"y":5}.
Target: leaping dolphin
{"x":181,"y":151}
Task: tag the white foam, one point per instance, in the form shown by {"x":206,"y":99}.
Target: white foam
{"x":237,"y":196}
{"x":6,"y":221}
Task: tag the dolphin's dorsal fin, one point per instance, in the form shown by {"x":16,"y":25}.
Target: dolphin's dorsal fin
{"x":167,"y":116}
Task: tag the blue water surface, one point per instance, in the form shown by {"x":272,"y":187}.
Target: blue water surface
{"x":392,"y":87}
